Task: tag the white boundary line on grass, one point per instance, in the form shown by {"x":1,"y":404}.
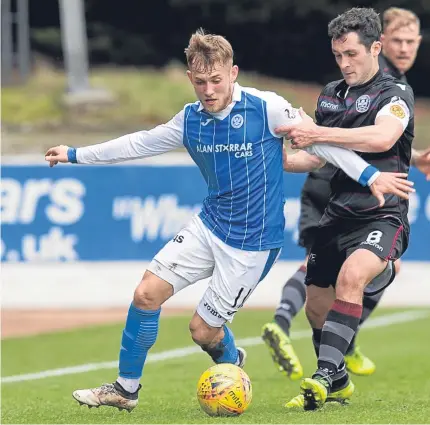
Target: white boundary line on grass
{"x":381,"y":321}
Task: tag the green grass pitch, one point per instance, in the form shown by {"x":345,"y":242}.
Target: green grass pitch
{"x":399,"y":392}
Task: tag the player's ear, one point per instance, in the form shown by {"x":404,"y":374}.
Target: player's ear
{"x":234,"y":72}
{"x":376,"y":48}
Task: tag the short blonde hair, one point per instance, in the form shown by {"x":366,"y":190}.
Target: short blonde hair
{"x":400,"y":17}
{"x":205,"y":51}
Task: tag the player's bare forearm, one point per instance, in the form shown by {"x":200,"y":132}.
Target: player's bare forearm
{"x":372,"y":138}
{"x":379,"y":137}
{"x":302,"y":162}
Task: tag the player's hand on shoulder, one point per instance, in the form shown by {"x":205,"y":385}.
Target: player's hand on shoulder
{"x":301,"y":134}
{"x":57,"y":154}
{"x":391,"y":183}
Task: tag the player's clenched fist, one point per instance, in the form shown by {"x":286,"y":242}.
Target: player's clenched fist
{"x":57,"y":154}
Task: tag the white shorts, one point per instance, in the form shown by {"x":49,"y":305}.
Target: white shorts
{"x":196,"y":253}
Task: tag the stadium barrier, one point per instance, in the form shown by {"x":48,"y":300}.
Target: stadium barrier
{"x":82,"y":235}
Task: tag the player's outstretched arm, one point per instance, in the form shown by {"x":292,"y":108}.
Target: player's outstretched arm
{"x":141,"y":144}
{"x":354,"y":166}
{"x":421,"y":160}
{"x":282,"y":115}
{"x":379,"y":137}
{"x":351,"y":163}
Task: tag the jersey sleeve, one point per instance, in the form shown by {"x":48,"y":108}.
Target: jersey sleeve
{"x":142,"y":144}
{"x":352,"y":164}
{"x":397,"y":102}
{"x":396,"y":108}
{"x":280,"y":112}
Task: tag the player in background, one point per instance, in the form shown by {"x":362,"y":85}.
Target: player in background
{"x":401,"y":39}
{"x":238,"y":235}
{"x":400,"y":42}
{"x":356,"y":242}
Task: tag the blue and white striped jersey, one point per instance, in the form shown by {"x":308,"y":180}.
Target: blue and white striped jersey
{"x":240,"y":158}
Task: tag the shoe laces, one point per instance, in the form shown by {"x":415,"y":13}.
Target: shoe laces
{"x":324,"y":377}
{"x":108,"y":388}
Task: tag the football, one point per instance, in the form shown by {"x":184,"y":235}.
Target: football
{"x":224,"y":390}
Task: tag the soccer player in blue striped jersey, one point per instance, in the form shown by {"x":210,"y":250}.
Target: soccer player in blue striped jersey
{"x":238,"y":235}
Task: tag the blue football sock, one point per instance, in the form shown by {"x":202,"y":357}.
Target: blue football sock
{"x":139,"y":335}
{"x":225,"y":351}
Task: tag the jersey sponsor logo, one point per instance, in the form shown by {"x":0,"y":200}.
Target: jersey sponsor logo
{"x":204,"y":124}
{"x":329,"y":105}
{"x":362,"y":104}
{"x":241,"y":150}
{"x":397,"y":111}
{"x":237,"y":121}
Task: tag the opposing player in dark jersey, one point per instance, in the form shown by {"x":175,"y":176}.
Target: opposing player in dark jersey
{"x":400,"y":43}
{"x":356,"y":241}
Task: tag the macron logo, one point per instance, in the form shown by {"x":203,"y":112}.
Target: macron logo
{"x":204,"y":124}
{"x":329,"y":105}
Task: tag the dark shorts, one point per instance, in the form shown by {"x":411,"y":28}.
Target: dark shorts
{"x":314,"y":199}
{"x":335,"y":243}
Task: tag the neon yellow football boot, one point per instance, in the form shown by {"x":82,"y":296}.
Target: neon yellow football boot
{"x":315,"y":392}
{"x":359,"y":364}
{"x":341,"y":396}
{"x":282,"y":351}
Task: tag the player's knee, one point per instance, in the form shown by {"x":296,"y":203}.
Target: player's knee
{"x":151,"y":292}
{"x":351,"y":281}
{"x":145,"y":299}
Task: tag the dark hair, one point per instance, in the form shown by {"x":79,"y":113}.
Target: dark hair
{"x":364,"y":21}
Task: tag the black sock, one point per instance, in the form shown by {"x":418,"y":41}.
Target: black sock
{"x":369,"y":304}
{"x":316,"y":340}
{"x":292,"y":300}
{"x":340,"y":378}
